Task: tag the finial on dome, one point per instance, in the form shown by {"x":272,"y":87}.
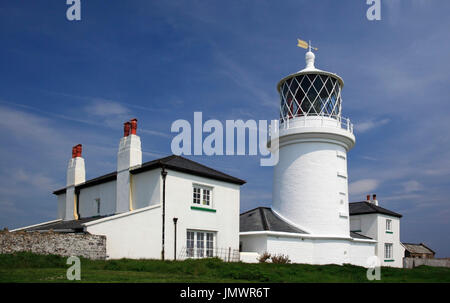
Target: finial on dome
{"x":309,"y":58}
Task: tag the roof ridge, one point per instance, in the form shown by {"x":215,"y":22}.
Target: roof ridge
{"x":195,"y":162}
{"x":250,"y":210}
{"x":264,"y":220}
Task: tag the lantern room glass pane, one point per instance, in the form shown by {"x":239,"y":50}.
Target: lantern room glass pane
{"x":310,"y":94}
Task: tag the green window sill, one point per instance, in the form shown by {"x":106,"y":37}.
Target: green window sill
{"x":389,"y":232}
{"x":203,"y":209}
{"x":389,"y":260}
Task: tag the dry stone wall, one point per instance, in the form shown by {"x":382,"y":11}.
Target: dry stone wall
{"x":62,"y":244}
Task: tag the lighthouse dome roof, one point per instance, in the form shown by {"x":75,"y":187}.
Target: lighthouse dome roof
{"x":310,"y":68}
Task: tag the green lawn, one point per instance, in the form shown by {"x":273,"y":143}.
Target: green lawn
{"x":27,"y":267}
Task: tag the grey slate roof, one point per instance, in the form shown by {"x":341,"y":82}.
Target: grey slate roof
{"x":264,"y":219}
{"x":182,"y":164}
{"x":173,"y":162}
{"x":64,"y":226}
{"x":418,"y":248}
{"x":364,"y":207}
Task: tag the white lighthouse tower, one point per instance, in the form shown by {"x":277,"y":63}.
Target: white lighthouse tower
{"x":310,"y":187}
{"x":309,"y":217}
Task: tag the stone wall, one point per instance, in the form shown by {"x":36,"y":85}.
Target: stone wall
{"x":45,"y":243}
{"x":414,"y":262}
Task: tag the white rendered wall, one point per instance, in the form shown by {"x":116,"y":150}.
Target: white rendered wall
{"x":394,"y":238}
{"x":224,"y":222}
{"x":368,"y":225}
{"x":129,"y":155}
{"x":106,"y":192}
{"x":360,"y":252}
{"x":374,"y":226}
{"x":254,"y":243}
{"x":76,"y":171}
{"x":311,"y":250}
{"x":146,"y":188}
{"x":69,"y":209}
{"x":298,"y":250}
{"x":61,"y":205}
{"x":135,"y":234}
{"x":310,"y":187}
{"x":76,"y":174}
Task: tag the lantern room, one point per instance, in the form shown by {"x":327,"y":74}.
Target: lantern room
{"x":310,"y":92}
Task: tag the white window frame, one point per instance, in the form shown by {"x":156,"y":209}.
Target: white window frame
{"x":388,"y":251}
{"x":206,"y":192}
{"x":203,"y":242}
{"x":388,"y":225}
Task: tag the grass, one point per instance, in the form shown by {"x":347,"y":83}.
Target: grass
{"x":28,"y":267}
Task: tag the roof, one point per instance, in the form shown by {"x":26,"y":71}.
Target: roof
{"x":173,"y":162}
{"x":64,"y":226}
{"x":264,"y":219}
{"x":364,"y":207}
{"x":358,"y":236}
{"x":181,"y":164}
{"x":418,"y":248}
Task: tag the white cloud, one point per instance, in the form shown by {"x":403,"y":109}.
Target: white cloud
{"x":104,"y":108}
{"x":368,"y":125}
{"x":24,"y":126}
{"x":364,"y":186}
{"x":412,"y":186}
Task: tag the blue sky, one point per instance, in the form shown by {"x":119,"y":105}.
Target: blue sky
{"x":64,"y":83}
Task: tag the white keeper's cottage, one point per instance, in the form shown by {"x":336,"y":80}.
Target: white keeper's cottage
{"x":165,"y":208}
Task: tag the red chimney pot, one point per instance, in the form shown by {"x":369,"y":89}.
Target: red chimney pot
{"x":368,"y":198}
{"x":133,"y":126}
{"x":126,"y":129}
{"x":79,"y":149}
{"x":74,"y":152}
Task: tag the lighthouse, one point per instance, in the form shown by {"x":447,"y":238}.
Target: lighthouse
{"x":310,"y":181}
{"x":309,"y":219}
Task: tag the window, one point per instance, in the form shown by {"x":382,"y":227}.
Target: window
{"x":206,"y":196}
{"x":97,"y":205}
{"x":388,"y":251}
{"x":209,"y":245}
{"x":388,"y":225}
{"x":202,"y":195}
{"x":197,"y":191}
{"x":199,"y":244}
{"x":190,"y":244}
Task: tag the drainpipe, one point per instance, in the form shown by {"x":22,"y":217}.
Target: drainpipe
{"x":163,"y":174}
{"x":175,"y":239}
{"x":77,"y":204}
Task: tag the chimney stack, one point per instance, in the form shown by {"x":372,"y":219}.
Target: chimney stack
{"x":129,"y":155}
{"x":133,"y":126}
{"x":368,"y":198}
{"x":374,"y":199}
{"x":79,"y":149}
{"x":126,"y":129}
{"x":76,"y":174}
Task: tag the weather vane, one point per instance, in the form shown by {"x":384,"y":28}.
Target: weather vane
{"x":306,"y":45}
